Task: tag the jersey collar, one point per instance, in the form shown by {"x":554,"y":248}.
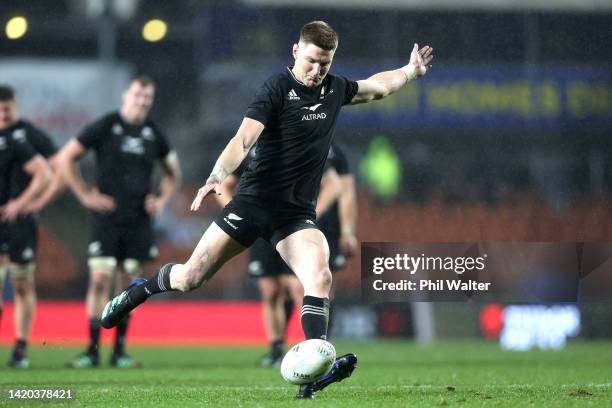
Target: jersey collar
{"x":301,"y":84}
{"x":14,"y":126}
{"x":290,"y":69}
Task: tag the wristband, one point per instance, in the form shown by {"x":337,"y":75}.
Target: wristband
{"x":219,"y":173}
{"x":347,"y":230}
{"x":410,"y":71}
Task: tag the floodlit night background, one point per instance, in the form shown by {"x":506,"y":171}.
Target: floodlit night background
{"x":507,"y":138}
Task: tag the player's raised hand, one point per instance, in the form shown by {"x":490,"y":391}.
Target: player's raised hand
{"x":212,"y":185}
{"x":421,"y":59}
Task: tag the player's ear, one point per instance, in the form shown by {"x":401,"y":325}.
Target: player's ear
{"x":296,"y":48}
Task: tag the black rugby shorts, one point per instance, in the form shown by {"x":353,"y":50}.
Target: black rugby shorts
{"x":246,"y":219}
{"x":19,"y":239}
{"x":122,"y":238}
{"x":265,"y":262}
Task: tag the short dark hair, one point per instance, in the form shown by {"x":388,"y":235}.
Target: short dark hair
{"x":320,"y":34}
{"x":7,"y":93}
{"x":144,"y":80}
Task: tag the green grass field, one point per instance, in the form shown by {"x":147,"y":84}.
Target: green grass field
{"x":390,"y":374}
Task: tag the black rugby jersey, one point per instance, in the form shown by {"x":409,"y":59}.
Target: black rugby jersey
{"x":125,"y":158}
{"x":40,"y":142}
{"x":337,"y":160}
{"x":14,"y":150}
{"x":291,"y":152}
{"x":245,"y":163}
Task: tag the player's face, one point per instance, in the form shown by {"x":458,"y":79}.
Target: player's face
{"x":8,"y":114}
{"x":137,"y":101}
{"x":311,"y":63}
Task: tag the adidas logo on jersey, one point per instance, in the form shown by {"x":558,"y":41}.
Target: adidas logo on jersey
{"x":293,"y":96}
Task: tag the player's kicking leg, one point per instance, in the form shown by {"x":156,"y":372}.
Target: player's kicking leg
{"x":307,"y":254}
{"x":214,"y":249}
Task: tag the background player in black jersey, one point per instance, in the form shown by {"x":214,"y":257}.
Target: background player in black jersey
{"x":23,"y":175}
{"x":292,"y":119}
{"x":127,"y":146}
{"x":338,"y":219}
{"x":279,"y":288}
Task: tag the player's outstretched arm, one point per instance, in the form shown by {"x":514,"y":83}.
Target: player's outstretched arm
{"x":383,"y":84}
{"x":229,"y":160}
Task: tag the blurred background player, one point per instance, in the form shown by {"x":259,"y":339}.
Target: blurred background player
{"x":338,"y":219}
{"x":24,"y":174}
{"x":127,"y":146}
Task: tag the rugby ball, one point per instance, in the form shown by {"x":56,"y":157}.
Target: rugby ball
{"x":308,"y":361}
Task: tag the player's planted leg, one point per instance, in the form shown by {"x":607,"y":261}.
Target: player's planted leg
{"x":306,"y":252}
{"x":343,"y":368}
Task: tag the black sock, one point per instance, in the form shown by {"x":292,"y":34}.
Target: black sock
{"x":157,"y":284}
{"x":276,"y":348}
{"x":315,"y":312}
{"x":288,"y":306}
{"x":20,"y":349}
{"x":122,"y":327}
{"x":94,"y":336}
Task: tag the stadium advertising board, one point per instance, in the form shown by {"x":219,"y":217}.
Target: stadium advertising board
{"x":494,"y":97}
